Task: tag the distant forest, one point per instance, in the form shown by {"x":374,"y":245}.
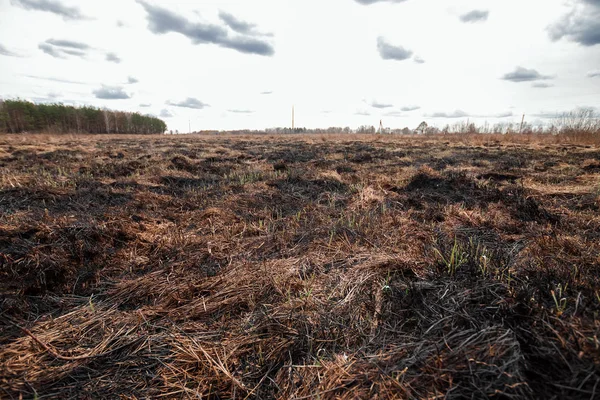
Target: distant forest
{"x":17,"y":116}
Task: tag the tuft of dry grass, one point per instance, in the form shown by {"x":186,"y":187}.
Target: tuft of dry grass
{"x":334,"y":267}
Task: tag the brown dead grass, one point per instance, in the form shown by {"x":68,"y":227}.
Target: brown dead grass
{"x":334,"y":267}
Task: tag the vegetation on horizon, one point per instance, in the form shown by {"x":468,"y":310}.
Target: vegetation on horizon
{"x":17,"y":116}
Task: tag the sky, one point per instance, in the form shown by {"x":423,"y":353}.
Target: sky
{"x":243,"y":64}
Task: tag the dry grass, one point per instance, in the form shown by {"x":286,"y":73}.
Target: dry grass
{"x":299,"y":267}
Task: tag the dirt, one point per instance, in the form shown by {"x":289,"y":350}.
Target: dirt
{"x":291,"y":267}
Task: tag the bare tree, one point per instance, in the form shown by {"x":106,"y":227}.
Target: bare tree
{"x":580,"y":120}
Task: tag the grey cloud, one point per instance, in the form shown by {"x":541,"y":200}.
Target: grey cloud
{"x":375,"y":104}
{"x":236,"y":24}
{"x":190,"y":102}
{"x":248,"y":45}
{"x":475,"y":16}
{"x":50,"y":50}
{"x":5,"y":52}
{"x":131,"y":80}
{"x":410,"y":108}
{"x":52,"y":6}
{"x":521,"y":74}
{"x":267,"y":92}
{"x":418,"y":60}
{"x":369,"y":2}
{"x":391,"y":52}
{"x":594,"y":74}
{"x":548,"y":115}
{"x":542,"y":85}
{"x":561,"y":114}
{"x":499,"y":115}
{"x":363,"y":113}
{"x":68,"y":43}
{"x":111,"y":93}
{"x":161,"y":21}
{"x":581,"y":25}
{"x":241,"y":111}
{"x":454,"y":114}
{"x":46,"y":78}
{"x":462,"y":114}
{"x":145,"y":105}
{"x":112,"y":57}
{"x":63,"y":48}
{"x":77,"y":53}
{"x":396,"y":114}
{"x":164,"y":113}
{"x":50,"y":98}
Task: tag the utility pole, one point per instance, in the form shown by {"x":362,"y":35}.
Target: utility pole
{"x":293,"y":116}
{"x":522,"y":122}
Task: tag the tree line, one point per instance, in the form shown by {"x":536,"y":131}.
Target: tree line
{"x":18,"y":116}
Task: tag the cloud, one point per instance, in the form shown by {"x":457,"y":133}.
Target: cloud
{"x":68,"y":43}
{"x":395,"y":114}
{"x":190,"y":102}
{"x":64,"y":48}
{"x":111,"y":93}
{"x":241,"y":111}
{"x":145,"y":105}
{"x":5,"y":52}
{"x":376,"y":104}
{"x":499,"y":115}
{"x":561,"y":114}
{"x":410,"y":108}
{"x":594,"y":74}
{"x":164,"y":113}
{"x":454,"y":114}
{"x":46,"y":78}
{"x":581,"y":25}
{"x":162,"y":21}
{"x":418,"y":60}
{"x":542,"y":85}
{"x":52,"y":6}
{"x":548,"y":114}
{"x":475,"y":16}
{"x":391,"y":52}
{"x":463,"y":114}
{"x":521,"y":74}
{"x":131,"y":80}
{"x":267,"y":92}
{"x":369,"y":2}
{"x":236,"y":24}
{"x":112,"y":57}
{"x":48,"y":49}
{"x":363,"y":113}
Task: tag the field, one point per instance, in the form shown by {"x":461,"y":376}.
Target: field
{"x":299,"y":267}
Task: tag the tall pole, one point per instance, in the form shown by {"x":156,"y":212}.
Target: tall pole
{"x":522,"y":122}
{"x":293,"y":116}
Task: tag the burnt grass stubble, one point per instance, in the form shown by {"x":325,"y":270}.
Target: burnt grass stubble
{"x":299,"y":267}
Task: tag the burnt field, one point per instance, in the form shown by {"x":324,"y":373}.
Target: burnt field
{"x":299,"y":267}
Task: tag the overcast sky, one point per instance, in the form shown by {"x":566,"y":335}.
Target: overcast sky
{"x":244,"y":63}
